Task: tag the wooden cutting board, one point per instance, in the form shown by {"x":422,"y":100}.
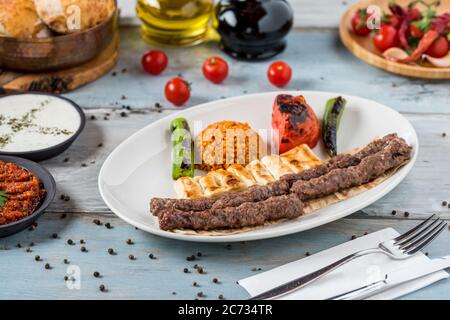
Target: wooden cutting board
{"x":362,"y":47}
{"x":63,"y":80}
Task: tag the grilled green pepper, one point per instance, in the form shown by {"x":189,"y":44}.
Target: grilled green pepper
{"x":182,"y":149}
{"x":331,"y":120}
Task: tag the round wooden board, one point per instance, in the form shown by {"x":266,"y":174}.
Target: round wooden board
{"x":363,"y":48}
{"x":63,"y":80}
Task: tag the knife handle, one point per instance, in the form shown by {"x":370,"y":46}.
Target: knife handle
{"x":362,"y":292}
{"x":303,"y":281}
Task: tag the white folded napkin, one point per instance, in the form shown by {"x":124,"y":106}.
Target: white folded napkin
{"x":357,"y":273}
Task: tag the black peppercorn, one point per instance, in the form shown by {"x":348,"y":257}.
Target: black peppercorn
{"x":97,"y":222}
{"x":215,"y":280}
{"x":130,"y":242}
{"x":47,"y":266}
{"x":96,"y":274}
{"x":221,"y":297}
{"x":190,"y":258}
{"x":82,"y":241}
{"x":444,"y":203}
{"x":200,"y":294}
{"x":37,"y":258}
{"x":108,"y":225}
{"x":111,"y":251}
{"x":66,"y":261}
{"x":406,"y":214}
{"x":66,"y":278}
{"x":83,"y":249}
{"x":394,"y":212}
{"x":195,"y":284}
{"x":55,"y":236}
{"x":131,"y":257}
{"x":199,"y":254}
{"x":102,"y":288}
{"x":152,"y":256}
{"x":186,"y":270}
{"x":70,"y":242}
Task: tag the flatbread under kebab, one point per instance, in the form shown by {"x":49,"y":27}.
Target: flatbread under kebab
{"x":397,"y":149}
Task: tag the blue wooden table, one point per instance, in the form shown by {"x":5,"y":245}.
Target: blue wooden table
{"x":320,"y":62}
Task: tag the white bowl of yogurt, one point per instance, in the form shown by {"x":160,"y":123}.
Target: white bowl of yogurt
{"x":38,"y":126}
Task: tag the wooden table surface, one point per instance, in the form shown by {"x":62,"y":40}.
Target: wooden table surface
{"x":320,"y":62}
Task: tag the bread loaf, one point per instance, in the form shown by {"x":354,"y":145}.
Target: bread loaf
{"x":67,"y":16}
{"x":19,"y":19}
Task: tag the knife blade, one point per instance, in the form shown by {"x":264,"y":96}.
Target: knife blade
{"x":396,"y":277}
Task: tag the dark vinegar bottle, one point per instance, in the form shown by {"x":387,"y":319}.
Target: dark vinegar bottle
{"x":253,"y":29}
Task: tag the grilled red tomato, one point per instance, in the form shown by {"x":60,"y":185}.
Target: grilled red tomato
{"x":296,"y":121}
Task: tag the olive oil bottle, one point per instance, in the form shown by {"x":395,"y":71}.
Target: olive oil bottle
{"x":175,"y":22}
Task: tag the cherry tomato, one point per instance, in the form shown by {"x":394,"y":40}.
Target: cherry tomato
{"x":415,"y":31}
{"x":215,"y":69}
{"x":414,"y":14}
{"x":386,"y":38}
{"x":279,"y":74}
{"x":359,"y":23}
{"x":155,"y":62}
{"x":177,"y":91}
{"x":439,"y":48}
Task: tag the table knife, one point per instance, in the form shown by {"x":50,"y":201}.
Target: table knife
{"x":396,"y":277}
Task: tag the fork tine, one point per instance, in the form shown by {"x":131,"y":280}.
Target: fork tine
{"x":425,"y":240}
{"x":401,"y":237}
{"x":412,"y":237}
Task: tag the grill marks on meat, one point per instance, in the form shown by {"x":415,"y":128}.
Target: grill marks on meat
{"x":258,"y":193}
{"x":370,"y":168}
{"x":245,"y":215}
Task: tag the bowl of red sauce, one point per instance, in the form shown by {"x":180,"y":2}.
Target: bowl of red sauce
{"x":26,"y":191}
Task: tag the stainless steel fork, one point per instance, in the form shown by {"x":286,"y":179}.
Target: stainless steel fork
{"x":400,"y":248}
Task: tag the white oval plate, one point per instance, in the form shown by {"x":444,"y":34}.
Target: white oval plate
{"x":140,"y":168}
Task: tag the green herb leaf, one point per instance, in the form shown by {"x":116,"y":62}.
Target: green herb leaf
{"x":413,"y":42}
{"x":3,"y":198}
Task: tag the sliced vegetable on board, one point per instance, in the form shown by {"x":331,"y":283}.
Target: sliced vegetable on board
{"x":331,"y":119}
{"x":182,"y":149}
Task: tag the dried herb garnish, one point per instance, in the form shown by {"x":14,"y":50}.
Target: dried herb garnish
{"x":3,"y":198}
{"x":18,"y":124}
